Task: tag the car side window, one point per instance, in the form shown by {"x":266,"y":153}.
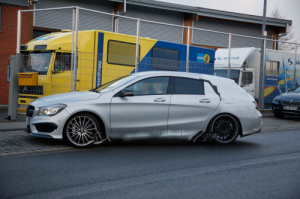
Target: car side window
{"x":188,"y":86}
{"x":150,"y":86}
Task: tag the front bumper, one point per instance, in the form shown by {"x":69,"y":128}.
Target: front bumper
{"x":47,"y":126}
{"x":278,"y":108}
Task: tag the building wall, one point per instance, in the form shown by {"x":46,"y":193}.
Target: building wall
{"x":62,"y":19}
{"x":8,"y":42}
{"x":221,"y":40}
{"x":154,"y":31}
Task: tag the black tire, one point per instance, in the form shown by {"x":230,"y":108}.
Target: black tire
{"x":279,"y":115}
{"x":83,"y":130}
{"x":224,"y":129}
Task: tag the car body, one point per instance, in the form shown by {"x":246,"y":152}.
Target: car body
{"x":149,"y":105}
{"x":287,"y":104}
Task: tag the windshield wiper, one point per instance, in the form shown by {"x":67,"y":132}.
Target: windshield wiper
{"x":93,"y":90}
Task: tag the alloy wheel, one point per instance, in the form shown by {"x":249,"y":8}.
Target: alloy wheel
{"x":225,"y":129}
{"x":82,"y":131}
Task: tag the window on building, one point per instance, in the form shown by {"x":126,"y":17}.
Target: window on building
{"x":165,"y":59}
{"x":121,"y":53}
{"x":189,"y":86}
{"x":272,"y":68}
{"x":247,"y":78}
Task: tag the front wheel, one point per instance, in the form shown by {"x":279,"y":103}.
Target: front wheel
{"x":224,"y":129}
{"x":83,"y":130}
{"x":279,"y":115}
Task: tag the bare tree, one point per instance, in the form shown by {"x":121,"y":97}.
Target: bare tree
{"x":289,"y":36}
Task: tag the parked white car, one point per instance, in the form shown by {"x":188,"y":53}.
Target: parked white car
{"x":159,"y":105}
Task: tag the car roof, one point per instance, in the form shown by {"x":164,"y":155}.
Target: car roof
{"x":211,"y":78}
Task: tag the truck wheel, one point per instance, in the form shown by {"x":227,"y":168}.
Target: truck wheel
{"x":279,"y":115}
{"x":83,"y":130}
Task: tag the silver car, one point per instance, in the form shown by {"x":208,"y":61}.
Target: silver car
{"x":161,"y":105}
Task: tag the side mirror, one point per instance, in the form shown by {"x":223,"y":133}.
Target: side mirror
{"x":126,"y":92}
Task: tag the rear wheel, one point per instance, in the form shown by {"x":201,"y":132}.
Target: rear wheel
{"x":224,"y":129}
{"x":279,"y":115}
{"x":83,"y":130}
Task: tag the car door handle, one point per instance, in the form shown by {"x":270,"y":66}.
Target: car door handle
{"x":204,"y":101}
{"x":160,"y":100}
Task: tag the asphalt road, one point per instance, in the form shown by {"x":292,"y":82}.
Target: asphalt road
{"x":265,"y":165}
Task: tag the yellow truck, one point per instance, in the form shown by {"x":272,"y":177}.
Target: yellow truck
{"x":102,"y":57}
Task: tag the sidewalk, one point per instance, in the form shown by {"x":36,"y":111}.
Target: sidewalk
{"x":12,"y":126}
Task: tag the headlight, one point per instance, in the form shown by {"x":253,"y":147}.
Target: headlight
{"x":275,"y":100}
{"x":51,"y":110}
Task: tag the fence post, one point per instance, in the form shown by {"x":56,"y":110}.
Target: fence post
{"x":13,"y":87}
{"x":72,"y":55}
{"x":294,"y":83}
{"x":19,"y":32}
{"x":229,"y":55}
{"x":188,"y":50}
{"x":264,"y":72}
{"x":137,"y":59}
{"x":76,"y":48}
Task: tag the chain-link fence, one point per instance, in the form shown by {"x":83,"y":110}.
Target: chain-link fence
{"x":138,"y":45}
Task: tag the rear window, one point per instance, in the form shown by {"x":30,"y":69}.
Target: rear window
{"x":189,"y":86}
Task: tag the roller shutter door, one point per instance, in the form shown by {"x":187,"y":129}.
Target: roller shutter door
{"x":62,"y":19}
{"x":221,"y":40}
{"x":153,"y":31}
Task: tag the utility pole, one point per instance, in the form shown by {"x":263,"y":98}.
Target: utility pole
{"x":262,"y":62}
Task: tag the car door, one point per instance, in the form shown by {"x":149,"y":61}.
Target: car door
{"x":144,"y":114}
{"x":192,"y":102}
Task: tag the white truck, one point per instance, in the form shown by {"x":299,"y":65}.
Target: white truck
{"x":245,"y":67}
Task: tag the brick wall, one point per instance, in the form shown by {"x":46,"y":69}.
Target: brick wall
{"x":8,"y":42}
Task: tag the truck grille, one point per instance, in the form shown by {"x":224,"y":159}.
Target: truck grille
{"x":31,"y":90}
{"x":290,"y":103}
{"x":29,"y":111}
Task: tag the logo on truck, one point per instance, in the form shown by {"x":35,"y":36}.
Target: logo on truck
{"x":291,"y":62}
{"x":203,"y":58}
{"x":99,"y":73}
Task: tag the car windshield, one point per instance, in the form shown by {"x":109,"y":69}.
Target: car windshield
{"x":234,"y":74}
{"x":298,"y":90}
{"x":116,"y":83}
{"x":35,"y":62}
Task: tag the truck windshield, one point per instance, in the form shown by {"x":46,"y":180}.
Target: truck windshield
{"x":234,"y":74}
{"x":35,"y":62}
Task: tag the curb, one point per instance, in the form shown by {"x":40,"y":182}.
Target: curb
{"x":15,"y":129}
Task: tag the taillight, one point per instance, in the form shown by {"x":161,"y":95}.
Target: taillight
{"x":256,"y":105}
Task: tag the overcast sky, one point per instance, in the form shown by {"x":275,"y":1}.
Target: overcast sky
{"x":289,"y":8}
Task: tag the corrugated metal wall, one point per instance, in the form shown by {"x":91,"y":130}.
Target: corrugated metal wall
{"x":62,"y":19}
{"x":221,"y":40}
{"x":16,"y":2}
{"x":154,"y":31}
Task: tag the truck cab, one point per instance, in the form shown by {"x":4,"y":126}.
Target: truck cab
{"x":240,"y":72}
{"x":244,"y":77}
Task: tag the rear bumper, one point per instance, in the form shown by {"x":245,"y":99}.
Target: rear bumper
{"x":252,"y":133}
